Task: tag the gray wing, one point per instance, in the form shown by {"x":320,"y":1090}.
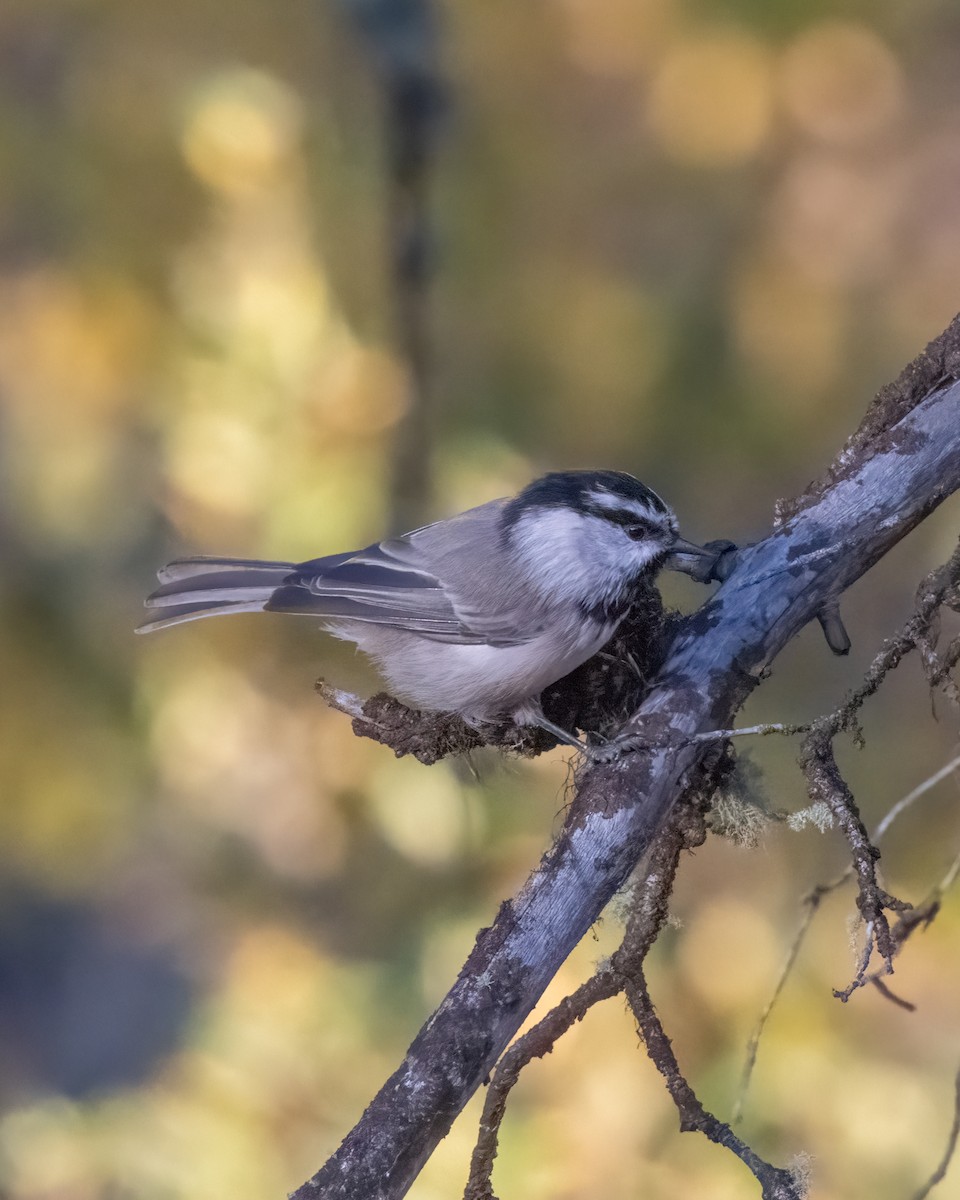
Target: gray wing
{"x":376,"y":587}
{"x":436,"y":581}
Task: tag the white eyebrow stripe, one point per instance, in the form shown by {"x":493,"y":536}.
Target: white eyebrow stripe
{"x":623,"y":504}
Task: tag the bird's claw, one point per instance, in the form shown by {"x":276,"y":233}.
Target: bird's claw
{"x":614,"y":749}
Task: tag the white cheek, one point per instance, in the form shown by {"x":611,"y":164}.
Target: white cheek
{"x":548,"y":543}
{"x":573,"y":556}
{"x":638,"y":555}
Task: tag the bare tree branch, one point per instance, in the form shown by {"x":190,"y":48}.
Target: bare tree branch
{"x":902,"y":463}
{"x":753,"y":1046}
{"x":776,"y":1182}
{"x":684,"y":830}
{"x":812,"y":903}
{"x":826,"y":786}
{"x":913,"y":796}
{"x":948,"y":1154}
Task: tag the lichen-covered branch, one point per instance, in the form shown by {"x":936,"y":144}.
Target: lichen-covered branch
{"x":827,"y":786}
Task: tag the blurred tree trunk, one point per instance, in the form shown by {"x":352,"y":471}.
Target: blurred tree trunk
{"x":402,"y":38}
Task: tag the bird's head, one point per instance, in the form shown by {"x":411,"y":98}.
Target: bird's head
{"x":594,"y":533}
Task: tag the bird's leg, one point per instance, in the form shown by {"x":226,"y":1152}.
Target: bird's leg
{"x":561,"y":734}
{"x":530,"y":713}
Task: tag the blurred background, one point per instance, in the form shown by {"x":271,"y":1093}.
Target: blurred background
{"x":687,"y":240}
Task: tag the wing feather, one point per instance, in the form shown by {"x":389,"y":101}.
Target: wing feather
{"x":400,"y":582}
{"x":373,"y":586}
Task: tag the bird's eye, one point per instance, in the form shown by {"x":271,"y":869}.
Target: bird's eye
{"x":639,"y":531}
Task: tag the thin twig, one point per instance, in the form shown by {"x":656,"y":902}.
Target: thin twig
{"x":948,"y":1154}
{"x":888,"y":994}
{"x":920,"y":790}
{"x":536,"y":1043}
{"x":781,"y":727}
{"x":776,"y":1183}
{"x":898,"y":809}
{"x":920,"y":916}
{"x":753,"y":1046}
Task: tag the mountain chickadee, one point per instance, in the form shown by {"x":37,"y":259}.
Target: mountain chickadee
{"x":476,"y":614}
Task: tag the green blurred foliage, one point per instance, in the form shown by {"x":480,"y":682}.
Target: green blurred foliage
{"x":687,"y":240}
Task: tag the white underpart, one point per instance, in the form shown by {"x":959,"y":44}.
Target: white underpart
{"x":479,"y":682}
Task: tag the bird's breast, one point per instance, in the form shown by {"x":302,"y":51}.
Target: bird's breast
{"x":481,"y":681}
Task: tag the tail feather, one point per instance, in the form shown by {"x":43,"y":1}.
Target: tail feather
{"x":208,"y":564}
{"x":207,"y":587}
{"x":179,"y":613}
{"x":212,"y":594}
{"x":221,"y":585}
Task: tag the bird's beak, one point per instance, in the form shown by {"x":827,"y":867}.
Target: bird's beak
{"x":705,"y":564}
{"x":687,"y":557}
